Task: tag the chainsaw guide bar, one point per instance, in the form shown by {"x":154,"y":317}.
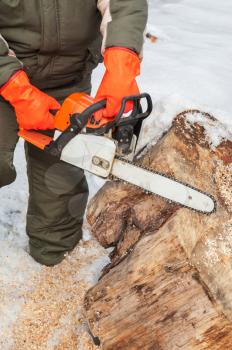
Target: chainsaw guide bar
{"x":208,"y":199}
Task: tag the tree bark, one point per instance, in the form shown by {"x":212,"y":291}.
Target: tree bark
{"x":169,"y":282}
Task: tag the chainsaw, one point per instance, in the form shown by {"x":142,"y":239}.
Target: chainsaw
{"x":107,"y":148}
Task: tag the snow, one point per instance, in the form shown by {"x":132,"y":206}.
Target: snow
{"x":216,"y":132}
{"x":188,"y":67}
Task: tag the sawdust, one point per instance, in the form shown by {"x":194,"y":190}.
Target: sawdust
{"x":219,"y":248}
{"x":51,"y":317}
{"x":223,"y":178}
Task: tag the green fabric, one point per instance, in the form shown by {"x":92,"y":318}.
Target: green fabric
{"x":57,"y":202}
{"x":58,"y":192}
{"x":129,"y":18}
{"x":8,"y":64}
{"x":58,"y":42}
{"x":8,"y":141}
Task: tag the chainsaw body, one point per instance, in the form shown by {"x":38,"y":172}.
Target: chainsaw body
{"x":91,"y":153}
{"x":89,"y":144}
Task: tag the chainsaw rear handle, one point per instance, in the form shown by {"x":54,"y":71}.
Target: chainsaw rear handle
{"x":76,"y":123}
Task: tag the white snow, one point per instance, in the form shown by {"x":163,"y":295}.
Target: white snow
{"x":215,"y":131}
{"x":189,"y":66}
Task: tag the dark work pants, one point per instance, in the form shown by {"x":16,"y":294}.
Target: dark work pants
{"x":58,"y":192}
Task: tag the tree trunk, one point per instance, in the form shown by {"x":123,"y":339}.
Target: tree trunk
{"x":169,"y":283}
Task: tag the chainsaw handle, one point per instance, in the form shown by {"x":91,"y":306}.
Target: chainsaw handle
{"x":80,"y":120}
{"x":104,"y":125}
{"x":136,"y":99}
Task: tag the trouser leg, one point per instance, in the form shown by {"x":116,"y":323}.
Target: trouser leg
{"x":58,"y":194}
{"x":57,"y":202}
{"x":8,"y":141}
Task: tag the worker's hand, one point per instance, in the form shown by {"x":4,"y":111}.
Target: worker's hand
{"x":32,"y":106}
{"x":122,"y":67}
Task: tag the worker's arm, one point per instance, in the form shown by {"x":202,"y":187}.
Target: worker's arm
{"x":123,"y":23}
{"x":9,"y":63}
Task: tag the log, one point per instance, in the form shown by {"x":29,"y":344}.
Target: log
{"x":168,"y":285}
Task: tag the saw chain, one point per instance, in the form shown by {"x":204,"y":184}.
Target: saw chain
{"x":116,"y":179}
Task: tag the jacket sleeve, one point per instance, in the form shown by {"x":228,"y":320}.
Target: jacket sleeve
{"x":9,"y":64}
{"x":123,"y":23}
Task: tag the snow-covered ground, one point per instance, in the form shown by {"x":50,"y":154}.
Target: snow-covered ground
{"x":189,"y":66}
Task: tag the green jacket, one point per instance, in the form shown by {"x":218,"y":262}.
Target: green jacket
{"x":58,"y":42}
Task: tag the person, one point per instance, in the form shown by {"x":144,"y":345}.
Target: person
{"x":48,"y":49}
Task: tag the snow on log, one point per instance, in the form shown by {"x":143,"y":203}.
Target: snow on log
{"x":169,"y":284}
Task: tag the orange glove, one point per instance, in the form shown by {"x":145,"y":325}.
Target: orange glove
{"x":122,"y":67}
{"x":32,"y":106}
